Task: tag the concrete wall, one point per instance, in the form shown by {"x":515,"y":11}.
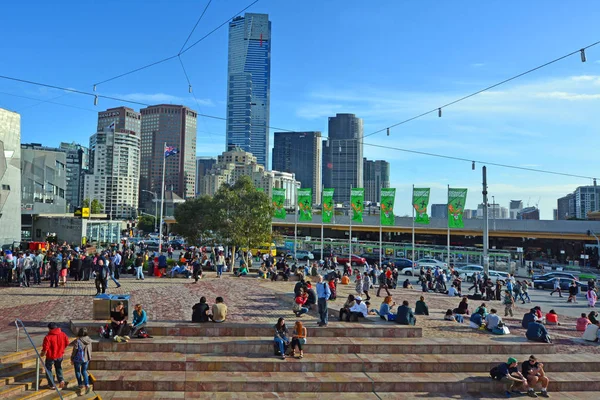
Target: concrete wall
{"x":10,"y":177}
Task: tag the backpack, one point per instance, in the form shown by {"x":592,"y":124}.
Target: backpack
{"x":105,"y":331}
{"x":79,"y":356}
{"x":495,"y":373}
{"x":142,"y":334}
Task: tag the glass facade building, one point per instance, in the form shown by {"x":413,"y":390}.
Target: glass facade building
{"x":376,"y":175}
{"x":248,"y":85}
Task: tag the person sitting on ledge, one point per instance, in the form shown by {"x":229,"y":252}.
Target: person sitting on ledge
{"x":345,"y":310}
{"x":180,"y":269}
{"x":536,"y":332}
{"x":312,"y":296}
{"x":385,"y":310}
{"x":200,"y":311}
{"x":405,"y":315}
{"x":242,"y":270}
{"x":582,"y":323}
{"x":492,"y":320}
{"x":139,"y":319}
{"x":451,"y":316}
{"x":359,"y":310}
{"x":529,"y":317}
{"x":476,"y":319}
{"x":463,"y":306}
{"x":219,"y":311}
{"x":407,"y":284}
{"x":552,"y":318}
{"x":421,"y":308}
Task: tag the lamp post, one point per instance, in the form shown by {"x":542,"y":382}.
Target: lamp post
{"x":155,"y":200}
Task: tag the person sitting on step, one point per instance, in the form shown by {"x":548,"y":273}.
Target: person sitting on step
{"x":219,"y":311}
{"x":345,"y":310}
{"x":406,"y":284}
{"x":405,"y":315}
{"x":299,"y":302}
{"x":421,"y":307}
{"x":139,"y":320}
{"x":509,"y":371}
{"x":359,"y":310}
{"x":463,"y":306}
{"x":534,"y":372}
{"x":281,"y":337}
{"x":529,"y":317}
{"x":298,"y":338}
{"x":385,"y":310}
{"x":552,"y":318}
{"x":476,"y":319}
{"x":536,"y":332}
{"x":200,"y":311}
{"x":582,"y":323}
{"x":118,"y":323}
{"x":242,"y":270}
{"x":492,"y":320}
{"x":451,"y":316}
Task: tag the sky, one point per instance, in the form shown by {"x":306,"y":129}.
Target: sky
{"x":385,"y":61}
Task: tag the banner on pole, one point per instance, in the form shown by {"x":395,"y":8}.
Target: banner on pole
{"x":357,"y":200}
{"x":305,"y":204}
{"x":420,"y":203}
{"x":388,"y":197}
{"x":327,"y":211}
{"x":456,"y":206}
{"x":278,"y":202}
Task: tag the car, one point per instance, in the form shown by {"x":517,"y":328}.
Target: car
{"x":177,"y":244}
{"x":564,"y":284}
{"x":282,"y":251}
{"x":373,"y":258}
{"x":404,"y":266}
{"x":498,"y":276}
{"x":356,"y":260}
{"x":303,"y":255}
{"x":466,"y":272}
{"x":431,"y":262}
{"x":551,"y":275}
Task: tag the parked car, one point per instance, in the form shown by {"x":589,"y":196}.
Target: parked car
{"x":466,"y":272}
{"x":177,"y":244}
{"x":498,"y":276}
{"x":551,"y":275}
{"x":303,"y":255}
{"x":282,"y":251}
{"x":564,"y":284}
{"x":404,"y":266}
{"x":430,"y":262}
{"x":373,"y":258}
{"x":356,"y":260}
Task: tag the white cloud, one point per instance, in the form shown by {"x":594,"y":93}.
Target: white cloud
{"x":568,"y":96}
{"x":315,"y":111}
{"x":157,"y":98}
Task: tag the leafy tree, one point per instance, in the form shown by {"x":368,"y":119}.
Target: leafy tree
{"x":96,"y":207}
{"x":195,"y":219}
{"x":146,"y":223}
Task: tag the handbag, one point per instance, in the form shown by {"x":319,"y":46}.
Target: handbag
{"x":296,"y":307}
{"x":302,"y":341}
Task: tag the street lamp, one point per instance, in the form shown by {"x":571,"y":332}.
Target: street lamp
{"x":155,"y":200}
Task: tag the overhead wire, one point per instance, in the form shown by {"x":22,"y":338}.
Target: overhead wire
{"x":195,"y":26}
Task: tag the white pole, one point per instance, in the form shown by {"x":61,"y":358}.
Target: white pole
{"x":448,"y":228}
{"x":350,"y":213}
{"x":322,"y":214}
{"x":295,"y":223}
{"x":380,"y":229}
{"x":162,"y":200}
{"x":413,"y":228}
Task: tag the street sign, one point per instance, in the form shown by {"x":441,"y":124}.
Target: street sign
{"x":519,"y":249}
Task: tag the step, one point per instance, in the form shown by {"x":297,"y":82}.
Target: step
{"x":14,"y":365}
{"x":264,"y":345}
{"x":8,"y":377}
{"x":209,"y":329}
{"x":47,"y":394}
{"x":26,"y":383}
{"x":450,"y":383}
{"x":332,"y":362}
{"x":18,"y":355}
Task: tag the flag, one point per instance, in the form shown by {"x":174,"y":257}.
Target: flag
{"x":111,"y":127}
{"x":305,"y":204}
{"x":456,"y":206}
{"x":170,"y":150}
{"x":327,"y":212}
{"x":386,"y":213}
{"x":420,"y":201}
{"x":278,"y":202}
{"x":357,"y":202}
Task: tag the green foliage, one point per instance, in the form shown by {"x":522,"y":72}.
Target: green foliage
{"x":146,"y":223}
{"x":195,"y":219}
{"x":96,"y":207}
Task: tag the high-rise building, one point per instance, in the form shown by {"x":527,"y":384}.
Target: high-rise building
{"x":343,"y":156}
{"x":10,"y":177}
{"x":126,"y":120}
{"x":439,"y":211}
{"x":376,"y":175}
{"x":114,"y":174}
{"x":515,"y":207}
{"x":248,"y":85}
{"x":555,"y":214}
{"x":495,"y":211}
{"x":237,"y":162}
{"x":203,"y":165}
{"x":77,"y":166}
{"x":566,"y":207}
{"x":300,"y":153}
{"x":43,"y":184}
{"x":176,"y":126}
{"x":529,"y":213}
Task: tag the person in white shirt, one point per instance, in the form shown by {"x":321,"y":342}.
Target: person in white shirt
{"x":359,"y":310}
{"x":453,"y":292}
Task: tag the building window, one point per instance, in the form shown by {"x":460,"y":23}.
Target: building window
{"x":5,"y":187}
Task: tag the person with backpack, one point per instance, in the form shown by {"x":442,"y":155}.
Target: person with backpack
{"x":53,"y":348}
{"x":510,"y":371}
{"x":80,"y":358}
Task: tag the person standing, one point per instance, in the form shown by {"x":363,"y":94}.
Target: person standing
{"x":38,"y":263}
{"x":509,"y":303}
{"x":139,"y":267}
{"x":220,"y":263}
{"x":87,"y":267}
{"x":323,"y":294}
{"x":102,"y":273}
{"x":162,"y":264}
{"x":114,"y":265}
{"x":53,"y":269}
{"x":556,"y":287}
{"x":28,"y":263}
{"x":80,"y":358}
{"x":53,"y":348}
{"x":366,"y":285}
{"x":592,"y":297}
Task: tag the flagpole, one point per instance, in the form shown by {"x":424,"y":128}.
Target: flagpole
{"x":448,"y":224}
{"x":295,"y":224}
{"x":162,"y":200}
{"x":322,"y":215}
{"x":413,"y":226}
{"x":350,"y":243}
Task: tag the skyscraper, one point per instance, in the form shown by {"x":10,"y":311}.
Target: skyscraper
{"x":126,"y":120}
{"x":248,"y":85}
{"x":300,"y":153}
{"x":203,"y":165}
{"x":343,"y":156}
{"x":10,"y":177}
{"x":176,"y":126}
{"x":376,"y":175}
{"x":77,"y":165}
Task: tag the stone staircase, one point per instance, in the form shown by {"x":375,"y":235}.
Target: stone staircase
{"x":359,"y":360}
{"x":17,"y":379}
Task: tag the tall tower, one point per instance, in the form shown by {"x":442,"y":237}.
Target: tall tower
{"x":248,"y":85}
{"x":343,"y":156}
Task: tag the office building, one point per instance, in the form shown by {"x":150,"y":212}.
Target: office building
{"x":10,"y":177}
{"x":203,"y":165}
{"x":300,"y":153}
{"x":439,"y":211}
{"x":376,"y":175}
{"x":126,"y":120}
{"x":515,"y":207}
{"x":555,"y":214}
{"x":43,"y":184}
{"x":566,"y":207}
{"x":495,"y":211}
{"x":248,"y":85}
{"x":529,"y":213}
{"x":343,"y":156}
{"x":77,"y":166}
{"x":237,"y":162}
{"x":176,"y":126}
{"x":469,"y":214}
{"x":114,"y":173}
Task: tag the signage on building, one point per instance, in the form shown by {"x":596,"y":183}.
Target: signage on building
{"x":109,"y":114}
{"x":82,"y":212}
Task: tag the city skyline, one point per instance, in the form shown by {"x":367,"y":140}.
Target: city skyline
{"x":313,"y":78}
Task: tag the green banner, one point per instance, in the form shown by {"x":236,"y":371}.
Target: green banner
{"x":260,"y":189}
{"x":420,"y":203}
{"x":357,"y":200}
{"x":327,"y":206}
{"x":388,"y":197}
{"x":305,"y":204}
{"x":456,"y":206}
{"x":278,"y":202}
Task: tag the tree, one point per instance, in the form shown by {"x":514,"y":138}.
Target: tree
{"x":96,"y":207}
{"x":195,"y":219}
{"x":146,"y":223}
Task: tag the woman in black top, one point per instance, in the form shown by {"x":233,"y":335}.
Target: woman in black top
{"x":118,"y":321}
{"x":200,"y":311}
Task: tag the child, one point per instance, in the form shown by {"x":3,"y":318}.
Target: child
{"x":582,"y":323}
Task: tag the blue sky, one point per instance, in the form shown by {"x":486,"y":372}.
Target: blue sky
{"x":384,"y":61}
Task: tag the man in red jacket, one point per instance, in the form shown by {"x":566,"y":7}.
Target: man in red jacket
{"x":53,"y":348}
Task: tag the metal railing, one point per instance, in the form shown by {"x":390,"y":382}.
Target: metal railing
{"x":38,"y":360}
